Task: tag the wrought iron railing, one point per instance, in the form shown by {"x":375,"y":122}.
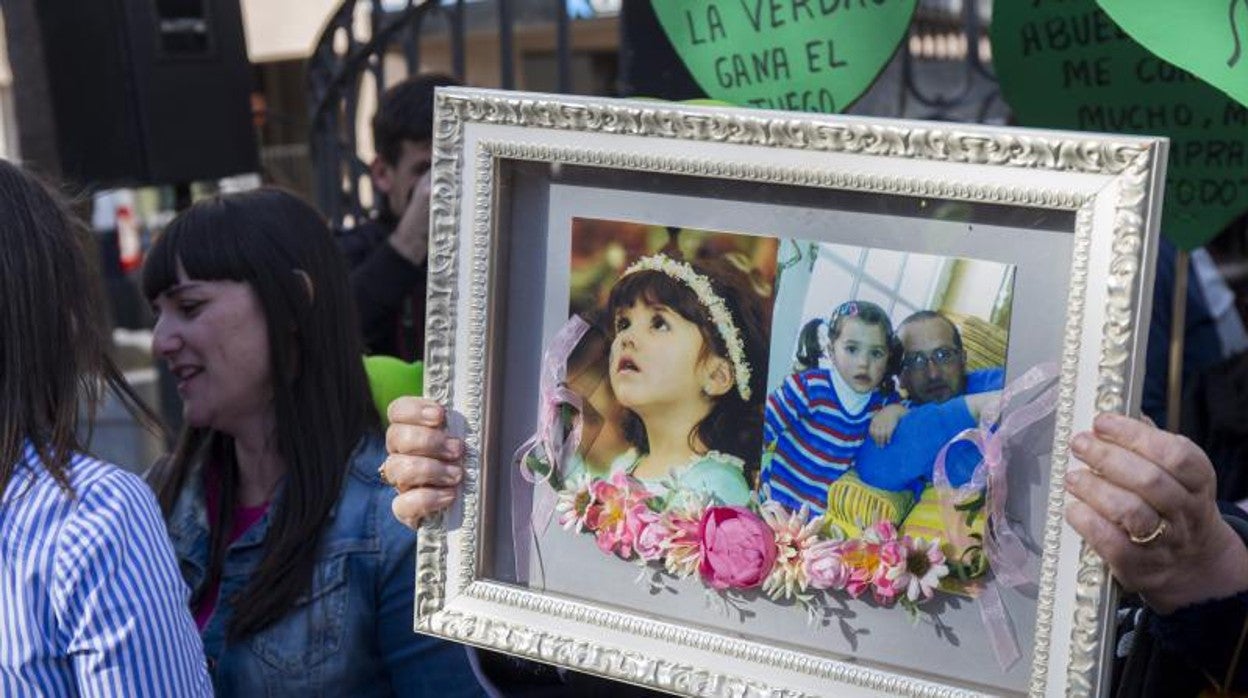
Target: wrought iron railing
{"x":345,"y":56}
{"x":958,"y":85}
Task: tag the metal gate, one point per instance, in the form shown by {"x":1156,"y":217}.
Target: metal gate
{"x":941,"y":72}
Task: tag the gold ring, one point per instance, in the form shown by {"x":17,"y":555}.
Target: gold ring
{"x":381,"y":473}
{"x":1145,"y":540}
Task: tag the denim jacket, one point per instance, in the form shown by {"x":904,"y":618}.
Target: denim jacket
{"x":351,"y":634}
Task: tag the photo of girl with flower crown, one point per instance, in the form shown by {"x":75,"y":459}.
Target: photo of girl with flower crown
{"x":685,"y":357}
{"x":686,"y":340}
{"x":657,"y":383}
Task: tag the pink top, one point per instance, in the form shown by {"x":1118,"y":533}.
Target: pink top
{"x":244,"y":519}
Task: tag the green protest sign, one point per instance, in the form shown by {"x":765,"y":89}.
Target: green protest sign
{"x":1066,"y":64}
{"x":1208,"y":38}
{"x":799,"y":55}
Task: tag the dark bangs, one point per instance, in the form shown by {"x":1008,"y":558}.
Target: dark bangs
{"x":656,"y":288}
{"x":214,"y":240}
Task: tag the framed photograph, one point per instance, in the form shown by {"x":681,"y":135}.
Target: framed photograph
{"x":768,"y":404}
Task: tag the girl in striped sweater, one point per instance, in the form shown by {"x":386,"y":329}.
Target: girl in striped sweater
{"x":816,"y":420}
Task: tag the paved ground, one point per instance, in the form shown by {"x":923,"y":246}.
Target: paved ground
{"x":117,"y":437}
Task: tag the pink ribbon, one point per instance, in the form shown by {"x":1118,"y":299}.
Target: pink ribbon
{"x":548,"y":440}
{"x":1009,"y":560}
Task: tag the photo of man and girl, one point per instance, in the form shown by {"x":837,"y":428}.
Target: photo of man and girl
{"x":733,"y":380}
{"x":865,"y":395}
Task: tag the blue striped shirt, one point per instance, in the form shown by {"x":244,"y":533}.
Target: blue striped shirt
{"x":91,"y":600}
{"x":814,"y":439}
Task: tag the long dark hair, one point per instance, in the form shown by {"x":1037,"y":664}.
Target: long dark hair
{"x":734,"y":425}
{"x":54,"y":342}
{"x":270,"y":239}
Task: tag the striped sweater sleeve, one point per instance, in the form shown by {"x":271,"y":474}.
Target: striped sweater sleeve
{"x":119,"y":600}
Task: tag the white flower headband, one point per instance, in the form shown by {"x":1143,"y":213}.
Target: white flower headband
{"x":720,"y":315}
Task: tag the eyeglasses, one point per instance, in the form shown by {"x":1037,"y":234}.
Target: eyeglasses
{"x":941,"y":356}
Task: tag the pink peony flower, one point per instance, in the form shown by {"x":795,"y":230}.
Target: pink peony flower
{"x":738,"y":548}
{"x":652,"y":533}
{"x":824,"y":566}
{"x":613,"y":515}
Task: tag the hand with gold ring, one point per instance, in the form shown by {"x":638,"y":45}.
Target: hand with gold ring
{"x":1145,"y":540}
{"x":423,"y":463}
{"x":1144,"y":499}
{"x":385,"y":479}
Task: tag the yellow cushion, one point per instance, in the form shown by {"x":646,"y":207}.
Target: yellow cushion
{"x":984,"y":342}
{"x":854,"y":505}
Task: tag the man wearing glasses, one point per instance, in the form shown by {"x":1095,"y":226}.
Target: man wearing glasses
{"x":933,"y":363}
{"x":944,"y":399}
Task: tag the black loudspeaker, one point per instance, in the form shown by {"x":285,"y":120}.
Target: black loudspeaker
{"x":147,"y":91}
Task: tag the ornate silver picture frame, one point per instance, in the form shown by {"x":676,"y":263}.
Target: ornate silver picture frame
{"x":1071,"y":218}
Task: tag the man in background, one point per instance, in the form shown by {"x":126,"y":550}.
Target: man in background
{"x":388,"y":254}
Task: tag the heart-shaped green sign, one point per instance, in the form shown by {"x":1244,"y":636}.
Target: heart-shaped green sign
{"x":1208,"y":38}
{"x":798,"y":55}
{"x":390,"y":378}
{"x":1066,"y":64}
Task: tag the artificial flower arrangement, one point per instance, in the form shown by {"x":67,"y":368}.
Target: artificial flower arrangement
{"x":785,"y":554}
{"x":788,"y":556}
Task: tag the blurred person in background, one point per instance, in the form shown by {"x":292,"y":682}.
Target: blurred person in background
{"x":91,"y":601}
{"x":388,"y":254}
